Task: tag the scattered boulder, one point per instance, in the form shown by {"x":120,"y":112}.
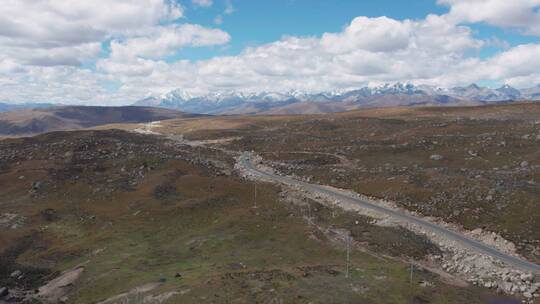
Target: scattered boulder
{"x":16,"y":274}
{"x":473,"y":153}
{"x":11,"y":220}
{"x":436,"y":157}
{"x":36,"y":185}
{"x":3,"y":292}
{"x":527,"y":277}
{"x":426,"y":284}
{"x":524,"y":164}
{"x":54,"y":290}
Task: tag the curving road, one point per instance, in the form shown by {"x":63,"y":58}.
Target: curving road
{"x":479,"y":247}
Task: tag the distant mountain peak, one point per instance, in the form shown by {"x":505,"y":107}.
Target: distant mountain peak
{"x":395,"y":94}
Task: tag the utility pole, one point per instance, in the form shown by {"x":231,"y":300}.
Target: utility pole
{"x":309,"y":213}
{"x":210,"y":189}
{"x":348,"y":256}
{"x":255,"y":198}
{"x":411,"y":276}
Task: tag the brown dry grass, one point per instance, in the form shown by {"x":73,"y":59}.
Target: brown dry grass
{"x":202,"y":226}
{"x":388,"y":151}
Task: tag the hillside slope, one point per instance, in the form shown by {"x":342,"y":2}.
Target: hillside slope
{"x":131,"y":217}
{"x":6,"y":107}
{"x":477,"y":167}
{"x":35,"y":121}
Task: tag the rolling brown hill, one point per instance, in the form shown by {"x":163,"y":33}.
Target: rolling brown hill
{"x":35,"y":121}
{"x":166,"y":217}
{"x":477,"y":167}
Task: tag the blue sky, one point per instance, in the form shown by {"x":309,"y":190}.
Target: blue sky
{"x":257,"y":22}
{"x":116,"y":52}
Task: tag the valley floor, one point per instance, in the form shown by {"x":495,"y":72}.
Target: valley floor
{"x":140,"y":218}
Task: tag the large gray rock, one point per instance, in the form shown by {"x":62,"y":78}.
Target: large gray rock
{"x":36,"y":185}
{"x":16,"y":274}
{"x":526,"y":277}
{"x":3,"y":292}
{"x":436,"y":157}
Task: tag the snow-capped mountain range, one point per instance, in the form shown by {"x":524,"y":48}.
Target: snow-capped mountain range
{"x":398,"y":94}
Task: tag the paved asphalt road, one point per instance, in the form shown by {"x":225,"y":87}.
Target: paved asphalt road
{"x":469,"y":243}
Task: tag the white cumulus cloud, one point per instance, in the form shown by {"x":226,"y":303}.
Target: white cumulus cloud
{"x":68,"y":32}
{"x":165,"y":40}
{"x":517,"y":14}
{"x":48,"y":48}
